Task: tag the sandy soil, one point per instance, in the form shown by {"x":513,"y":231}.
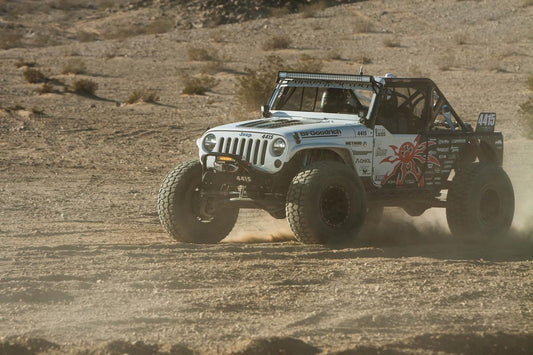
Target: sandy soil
{"x":85,"y":264}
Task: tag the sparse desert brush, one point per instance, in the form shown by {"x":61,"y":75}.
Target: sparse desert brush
{"x":200,"y":54}
{"x":311,"y":10}
{"x":75,"y":66}
{"x":198,"y":85}
{"x":142,"y":95}
{"x":47,"y":88}
{"x":160,"y":25}
{"x":530,"y":82}
{"x":363,"y":25}
{"x":84,"y":36}
{"x":10,"y":40}
{"x":85,"y":87}
{"x":308,"y":64}
{"x":256,"y":87}
{"x":212,"y":68}
{"x":446,"y":62}
{"x":34,"y":76}
{"x":24,"y":63}
{"x":415,"y":71}
{"x":526,"y":111}
{"x":460,"y":38}
{"x":527,"y":3}
{"x":391,"y":42}
{"x":277,"y":42}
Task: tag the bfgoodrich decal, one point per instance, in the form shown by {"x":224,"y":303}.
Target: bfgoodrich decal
{"x":320,"y":133}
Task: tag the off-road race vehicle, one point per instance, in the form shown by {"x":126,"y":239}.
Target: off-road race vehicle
{"x":332,"y":150}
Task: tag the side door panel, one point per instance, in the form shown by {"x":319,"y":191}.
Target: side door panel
{"x":400,"y":160}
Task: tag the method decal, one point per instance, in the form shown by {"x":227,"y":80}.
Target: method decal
{"x":407,"y":160}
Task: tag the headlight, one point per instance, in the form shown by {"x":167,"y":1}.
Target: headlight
{"x":278,"y":147}
{"x":210,"y":141}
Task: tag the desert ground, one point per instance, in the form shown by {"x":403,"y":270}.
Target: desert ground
{"x":85,"y":266}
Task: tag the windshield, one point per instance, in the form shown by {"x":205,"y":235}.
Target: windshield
{"x":321,"y":99}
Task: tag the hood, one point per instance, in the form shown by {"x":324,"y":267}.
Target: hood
{"x":288,"y":125}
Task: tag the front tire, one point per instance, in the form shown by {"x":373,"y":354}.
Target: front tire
{"x":183,"y":213}
{"x":326,"y":204}
{"x":480,"y":203}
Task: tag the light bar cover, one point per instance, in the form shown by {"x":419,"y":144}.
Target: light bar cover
{"x":333,"y":77}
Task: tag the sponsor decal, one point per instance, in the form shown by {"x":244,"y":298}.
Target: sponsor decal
{"x":381,"y":152}
{"x":458,"y":141}
{"x":267,"y":136}
{"x":361,"y":133}
{"x":365,"y":169}
{"x":354,"y":143}
{"x":407,"y":161}
{"x":380,"y":132}
{"x":321,"y":133}
{"x":361,"y":152}
{"x":363,"y":161}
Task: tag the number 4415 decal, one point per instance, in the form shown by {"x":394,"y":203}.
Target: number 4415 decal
{"x":486,"y":122}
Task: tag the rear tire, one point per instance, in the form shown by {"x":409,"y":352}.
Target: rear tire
{"x":180,"y":209}
{"x":480,"y":202}
{"x":326,"y":204}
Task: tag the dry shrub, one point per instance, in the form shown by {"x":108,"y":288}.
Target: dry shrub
{"x":46,"y":88}
{"x":362,"y":24}
{"x":198,"y":85}
{"x":34,"y":76}
{"x":309,"y":64}
{"x":255,"y":87}
{"x":85,"y":87}
{"x":279,"y":11}
{"x":446,"y":62}
{"x":415,"y":71}
{"x":527,"y":3}
{"x":67,"y":5}
{"x":160,"y":25}
{"x":200,"y":54}
{"x":212,"y":68}
{"x":277,"y":42}
{"x":74,"y":66}
{"x":334,"y":55}
{"x":460,"y":39}
{"x":526,"y":111}
{"x":143,"y":95}
{"x":311,"y":10}
{"x":105,"y":4}
{"x":10,"y":40}
{"x":84,"y":36}
{"x":23,"y":63}
{"x":530,"y":82}
{"x":391,"y":42}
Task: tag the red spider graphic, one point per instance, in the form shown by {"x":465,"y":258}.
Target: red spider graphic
{"x":407,"y":157}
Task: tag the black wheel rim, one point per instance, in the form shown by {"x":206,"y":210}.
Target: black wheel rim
{"x":489,"y":206}
{"x":198,"y":206}
{"x":334,"y":206}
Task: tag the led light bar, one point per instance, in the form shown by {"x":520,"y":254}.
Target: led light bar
{"x":333,"y":77}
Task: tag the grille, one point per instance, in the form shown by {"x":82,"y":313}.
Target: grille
{"x":249,"y":149}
